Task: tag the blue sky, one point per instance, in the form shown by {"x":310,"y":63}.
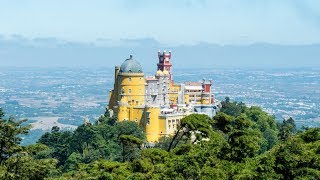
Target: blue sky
{"x":167,"y":21}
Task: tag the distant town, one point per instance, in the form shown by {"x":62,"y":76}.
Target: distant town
{"x":65,"y":96}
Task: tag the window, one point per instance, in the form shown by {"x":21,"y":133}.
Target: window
{"x":148,"y":115}
{"x":130,"y":79}
{"x":129,"y":91}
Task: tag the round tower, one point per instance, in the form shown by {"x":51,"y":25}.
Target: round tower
{"x":131,"y":86}
{"x":153,"y":128}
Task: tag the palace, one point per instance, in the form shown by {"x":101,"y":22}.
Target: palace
{"x":157,"y":102}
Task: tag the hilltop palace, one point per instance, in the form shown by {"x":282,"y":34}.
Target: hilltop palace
{"x":157,"y":102}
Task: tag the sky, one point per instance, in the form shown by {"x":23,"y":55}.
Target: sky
{"x":289,"y":22}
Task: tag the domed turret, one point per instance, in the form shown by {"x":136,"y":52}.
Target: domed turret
{"x":159,"y":73}
{"x":130,"y":66}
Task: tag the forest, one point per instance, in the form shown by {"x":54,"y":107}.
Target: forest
{"x":240,"y":142}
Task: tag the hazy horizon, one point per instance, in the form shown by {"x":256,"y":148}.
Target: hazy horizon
{"x":200,"y":33}
{"x":20,"y":51}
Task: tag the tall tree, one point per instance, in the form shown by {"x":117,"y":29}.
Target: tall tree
{"x":194,"y":126}
{"x":10,"y":131}
{"x":232,"y":108}
{"x":59,"y":141}
{"x":23,"y":166}
{"x":243,"y":140}
{"x":131,"y":147}
{"x":286,"y":129}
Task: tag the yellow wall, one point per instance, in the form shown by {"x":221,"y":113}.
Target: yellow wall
{"x":186,"y":98}
{"x":152,"y":123}
{"x":173,"y":98}
{"x":174,"y":87}
{"x":113,"y":98}
{"x":133,"y":85}
{"x":205,"y":98}
{"x":123,"y":113}
{"x":110,"y":95}
{"x":204,"y":101}
{"x":162,"y":127}
{"x":173,"y":94}
{"x":136,"y":114}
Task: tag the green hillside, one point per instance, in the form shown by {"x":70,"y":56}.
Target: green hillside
{"x":240,"y":142}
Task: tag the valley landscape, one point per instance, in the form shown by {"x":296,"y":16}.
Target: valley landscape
{"x":139,"y":90}
{"x":63,"y":97}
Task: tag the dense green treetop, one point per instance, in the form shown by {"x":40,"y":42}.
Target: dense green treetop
{"x":240,"y":142}
{"x":10,"y":131}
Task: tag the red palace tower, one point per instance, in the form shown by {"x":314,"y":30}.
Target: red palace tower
{"x":164,"y":62}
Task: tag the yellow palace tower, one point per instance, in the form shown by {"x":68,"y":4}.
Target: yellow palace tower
{"x":127,"y":99}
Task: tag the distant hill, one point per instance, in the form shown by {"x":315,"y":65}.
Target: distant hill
{"x":19,"y":51}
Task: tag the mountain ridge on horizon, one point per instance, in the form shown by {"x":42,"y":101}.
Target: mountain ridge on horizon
{"x":18,"y":51}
